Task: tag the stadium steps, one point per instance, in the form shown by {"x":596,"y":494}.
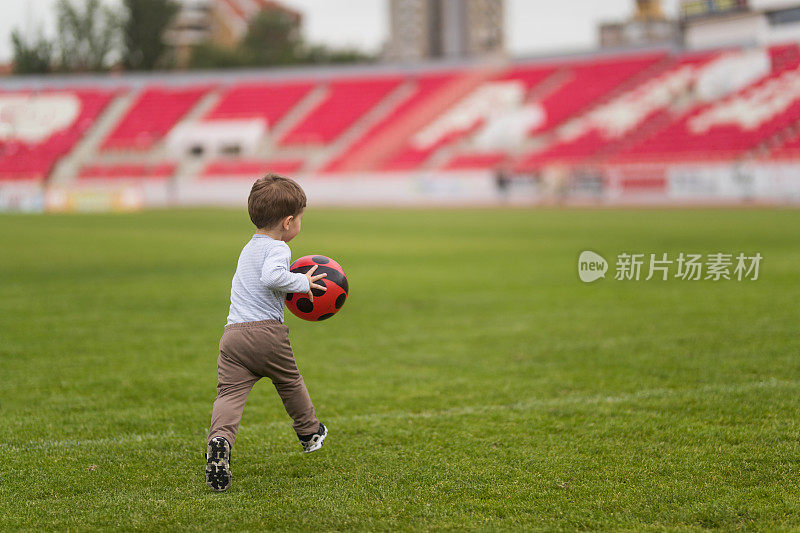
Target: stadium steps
{"x":362,"y":125}
{"x":675,"y":135}
{"x":676,"y":111}
{"x":296,"y":115}
{"x":538,"y":92}
{"x":783,"y":58}
{"x":388,"y":142}
{"x":87,"y":148}
{"x":449,"y":151}
{"x":443,"y":155}
{"x":157,"y":110}
{"x":206,"y":103}
{"x":541,"y":91}
{"x":640,"y":78}
{"x":647,"y":129}
{"x":189,"y":167}
{"x":201,"y":108}
{"x":549,"y":85}
{"x":158,"y":154}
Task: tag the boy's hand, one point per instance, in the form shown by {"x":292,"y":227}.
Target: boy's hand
{"x":312,"y":279}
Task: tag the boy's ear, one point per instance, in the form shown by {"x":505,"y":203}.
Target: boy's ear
{"x":286,"y":222}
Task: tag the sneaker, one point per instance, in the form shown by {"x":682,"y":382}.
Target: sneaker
{"x":313,"y":442}
{"x":218,"y":464}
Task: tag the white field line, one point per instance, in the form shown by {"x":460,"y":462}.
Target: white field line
{"x":464,"y":410}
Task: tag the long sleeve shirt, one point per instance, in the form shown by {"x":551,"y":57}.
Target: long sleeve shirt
{"x":262,"y":280}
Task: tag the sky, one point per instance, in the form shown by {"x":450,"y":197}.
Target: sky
{"x":532,"y":26}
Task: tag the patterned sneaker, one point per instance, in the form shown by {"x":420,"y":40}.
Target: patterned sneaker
{"x":218,"y":464}
{"x":313,"y":442}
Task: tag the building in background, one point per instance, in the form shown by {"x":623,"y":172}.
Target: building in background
{"x":220,"y":22}
{"x":648,"y":26}
{"x":710,"y":23}
{"x":423,"y":29}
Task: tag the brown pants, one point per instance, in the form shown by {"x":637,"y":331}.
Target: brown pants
{"x":248,"y":352}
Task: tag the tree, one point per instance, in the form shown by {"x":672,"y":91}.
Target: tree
{"x":272,"y":38}
{"x":205,"y":56}
{"x":143,"y":31}
{"x":31,"y":57}
{"x":88,"y":38}
{"x":321,"y":54}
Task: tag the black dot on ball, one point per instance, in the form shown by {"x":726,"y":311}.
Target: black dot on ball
{"x":340,"y":300}
{"x":305,"y":305}
{"x":318,"y":292}
{"x":320,"y":259}
{"x":289,"y":297}
{"x":325,"y":316}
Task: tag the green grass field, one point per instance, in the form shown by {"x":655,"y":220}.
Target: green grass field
{"x":470,"y":382}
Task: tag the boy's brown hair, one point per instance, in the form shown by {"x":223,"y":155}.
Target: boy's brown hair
{"x":273,"y":198}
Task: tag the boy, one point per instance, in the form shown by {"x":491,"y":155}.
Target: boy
{"x":255,"y":342}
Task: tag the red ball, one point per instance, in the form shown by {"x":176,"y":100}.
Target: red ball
{"x":326,"y":303}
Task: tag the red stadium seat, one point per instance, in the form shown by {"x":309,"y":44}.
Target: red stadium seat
{"x":728,"y":128}
{"x":589,"y":81}
{"x":530,"y":75}
{"x":151,"y":117}
{"x":159,"y":171}
{"x":33,"y":161}
{"x":667,"y":139}
{"x":477,"y":161}
{"x":594,"y":110}
{"x":347,"y":101}
{"x":585,"y":82}
{"x":251,"y":168}
{"x":424,"y":88}
{"x":789,"y":149}
{"x":270,"y":101}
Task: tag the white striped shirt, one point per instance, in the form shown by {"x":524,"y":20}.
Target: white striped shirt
{"x":262,"y":280}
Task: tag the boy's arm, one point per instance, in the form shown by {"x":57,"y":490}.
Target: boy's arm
{"x":276,"y":275}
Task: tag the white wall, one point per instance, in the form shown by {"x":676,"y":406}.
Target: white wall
{"x":769,"y":5}
{"x":680,"y":184}
{"x":748,"y":28}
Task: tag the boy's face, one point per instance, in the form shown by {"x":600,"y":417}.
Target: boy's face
{"x":292,"y":227}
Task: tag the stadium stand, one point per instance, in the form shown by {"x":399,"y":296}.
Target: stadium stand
{"x":153,"y":114}
{"x":249,"y":168}
{"x":786,"y":148}
{"x":529,"y":76}
{"x":589,"y":81}
{"x":346,"y":102}
{"x":425,"y":87}
{"x":159,"y":171}
{"x":269,"y":101}
{"x":32,"y":159}
{"x":451,"y":113}
{"x":476,"y":161}
{"x":601,"y":109}
{"x":630,"y":115}
{"x":559,"y":90}
{"x":729,"y":127}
